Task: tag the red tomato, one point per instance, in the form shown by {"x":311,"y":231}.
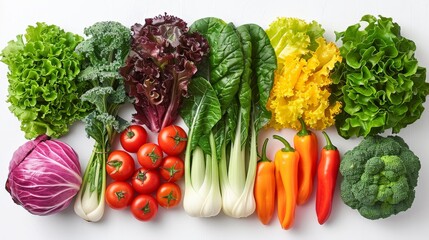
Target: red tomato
{"x":144,"y":207}
{"x":119,"y":194}
{"x":133,"y":137}
{"x":168,"y":195}
{"x":146,"y":181}
{"x":172,"y":168}
{"x":150,"y":156}
{"x":172,"y":140}
{"x":120,"y":165}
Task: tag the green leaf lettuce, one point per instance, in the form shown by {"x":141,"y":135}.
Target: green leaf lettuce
{"x":43,"y":91}
{"x":380,"y":82}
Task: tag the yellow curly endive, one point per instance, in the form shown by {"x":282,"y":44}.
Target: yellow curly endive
{"x":301,"y":89}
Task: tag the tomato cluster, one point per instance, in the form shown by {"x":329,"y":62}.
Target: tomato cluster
{"x":152,"y":181}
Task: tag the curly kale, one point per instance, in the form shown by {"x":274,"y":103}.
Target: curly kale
{"x":103,"y":54}
{"x":380,"y":175}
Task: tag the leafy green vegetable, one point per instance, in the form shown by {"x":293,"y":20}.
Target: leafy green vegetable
{"x":263,"y":65}
{"x":159,"y":68}
{"x":43,"y":91}
{"x":104,"y":53}
{"x":305,"y":61}
{"x":201,"y":111}
{"x":293,"y":36}
{"x":224,"y":66}
{"x":380,"y":82}
{"x":380,"y":175}
{"x":240,"y":69}
{"x":238,"y":161}
{"x":221,"y":70}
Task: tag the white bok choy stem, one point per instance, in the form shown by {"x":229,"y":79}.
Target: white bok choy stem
{"x":202,"y":196}
{"x":103,"y":52}
{"x":237,"y":187}
{"x":89,"y":204}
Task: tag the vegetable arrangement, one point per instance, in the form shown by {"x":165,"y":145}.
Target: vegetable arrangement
{"x":227,"y":83}
{"x":282,"y":181}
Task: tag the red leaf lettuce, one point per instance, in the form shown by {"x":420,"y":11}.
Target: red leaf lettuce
{"x":157,"y":71}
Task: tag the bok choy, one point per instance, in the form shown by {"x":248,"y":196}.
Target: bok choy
{"x":246,"y":117}
{"x":240,"y":69}
{"x":201,"y":111}
{"x":217,"y":81}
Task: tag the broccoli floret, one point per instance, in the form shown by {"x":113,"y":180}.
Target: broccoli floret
{"x":379,"y":177}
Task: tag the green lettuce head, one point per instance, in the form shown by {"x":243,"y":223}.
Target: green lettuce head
{"x":379,"y":81}
{"x":43,"y":91}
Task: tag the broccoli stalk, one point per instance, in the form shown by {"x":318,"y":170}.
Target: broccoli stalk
{"x":104,"y":53}
{"x":380,"y":175}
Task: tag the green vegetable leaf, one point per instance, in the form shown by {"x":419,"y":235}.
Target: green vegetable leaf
{"x":201,"y":111}
{"x":264,"y":63}
{"x":224,"y":67}
{"x":245,"y":91}
{"x":293,"y":36}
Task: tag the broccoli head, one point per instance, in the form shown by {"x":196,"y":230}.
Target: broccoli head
{"x":379,"y":176}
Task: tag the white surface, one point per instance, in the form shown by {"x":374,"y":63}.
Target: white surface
{"x":344,"y":222}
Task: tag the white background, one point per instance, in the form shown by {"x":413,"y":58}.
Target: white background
{"x":344,"y":223}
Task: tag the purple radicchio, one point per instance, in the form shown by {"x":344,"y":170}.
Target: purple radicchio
{"x":44,"y":176}
{"x":157,"y":71}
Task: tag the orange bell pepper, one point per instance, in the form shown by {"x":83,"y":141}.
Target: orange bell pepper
{"x":286,"y":167}
{"x":265,"y":187}
{"x":305,"y":143}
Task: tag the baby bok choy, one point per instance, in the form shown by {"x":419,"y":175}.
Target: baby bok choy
{"x":240,"y":69}
{"x":245,"y":117}
{"x":201,"y":111}
{"x":217,"y":81}
{"x":104,"y":53}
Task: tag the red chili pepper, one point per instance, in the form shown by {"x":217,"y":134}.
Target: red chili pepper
{"x":326,"y":179}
